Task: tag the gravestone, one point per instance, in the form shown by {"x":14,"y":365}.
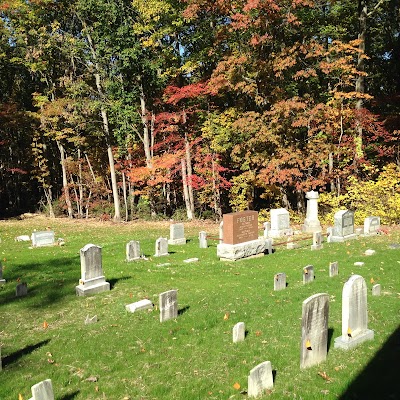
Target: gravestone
{"x":2,"y":280}
{"x":161,"y":247}
{"x":317,"y":241}
{"x":42,"y":391}
{"x":343,"y":226}
{"x":176,"y":234}
{"x":240,"y":237}
{"x":333,"y":269}
{"x":92,"y":278}
{"x":133,"y":251}
{"x":372,"y":225}
{"x":203,"y":240}
{"x":269,"y":245}
{"x":376,"y":290}
{"x":291,"y":244}
{"x":44,"y":238}
{"x":280,"y":281}
{"x":21,"y":289}
{"x":267,"y":228}
{"x":280,"y":223}
{"x":238,"y":332}
{"x":260,"y":379}
{"x":308,"y":274}
{"x":168,"y":303}
{"x":354,"y":314}
{"x":311,"y":223}
{"x":90,"y":320}
{"x":144,"y":304}
{"x":314,"y":330}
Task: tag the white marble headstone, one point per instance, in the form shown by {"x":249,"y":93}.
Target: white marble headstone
{"x":260,"y":379}
{"x":168,"y":304}
{"x":176,"y":234}
{"x":43,"y":390}
{"x":161,"y":247}
{"x":133,"y":251}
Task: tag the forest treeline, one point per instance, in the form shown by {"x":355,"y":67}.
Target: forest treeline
{"x":192,"y":108}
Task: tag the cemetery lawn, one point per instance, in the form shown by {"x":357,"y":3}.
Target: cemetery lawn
{"x":134,"y":356}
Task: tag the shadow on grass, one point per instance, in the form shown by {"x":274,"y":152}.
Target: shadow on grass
{"x":183,"y":310}
{"x":13,"y":357}
{"x":380,"y":378}
{"x":330,"y":336}
{"x":70,"y":396}
{"x":114,"y":281}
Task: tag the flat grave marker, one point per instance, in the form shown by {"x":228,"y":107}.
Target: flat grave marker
{"x":43,"y":238}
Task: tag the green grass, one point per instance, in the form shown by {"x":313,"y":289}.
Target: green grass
{"x":134,"y":356}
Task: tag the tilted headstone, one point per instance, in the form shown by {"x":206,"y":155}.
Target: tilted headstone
{"x":344,"y":226}
{"x":203,"y":240}
{"x":372,"y":225}
{"x":314,"y":330}
{"x":2,"y":280}
{"x":317,"y":241}
{"x":280,"y":281}
{"x":176,"y":234}
{"x":354,"y":314}
{"x":333,"y":269}
{"x":21,"y":289}
{"x":133,"y":251}
{"x":280,"y":223}
{"x":311,"y":223}
{"x":238,"y":332}
{"x":260,"y":379}
{"x":92,"y":278}
{"x":168,"y":304}
{"x":44,"y":238}
{"x":161,"y":247}
{"x":144,"y":304}
{"x":376,"y":290}
{"x":308,"y":274}
{"x":43,"y":391}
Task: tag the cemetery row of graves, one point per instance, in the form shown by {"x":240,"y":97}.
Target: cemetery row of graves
{"x":239,"y":247}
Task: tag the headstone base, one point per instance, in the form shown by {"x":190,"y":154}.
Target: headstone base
{"x":311,"y":227}
{"x":92,"y":286}
{"x":233,"y":252}
{"x":340,"y":239}
{"x":277,"y":233}
{"x":177,"y":241}
{"x":346,"y":344}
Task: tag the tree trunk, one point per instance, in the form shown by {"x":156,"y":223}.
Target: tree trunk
{"x":65,"y":180}
{"x":186,"y":191}
{"x":216,"y":192}
{"x":49,"y":199}
{"x":189,"y":174}
{"x":125,"y":196}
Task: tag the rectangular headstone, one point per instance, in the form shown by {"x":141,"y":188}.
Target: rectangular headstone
{"x":372,"y":225}
{"x":203,"y":240}
{"x":144,"y":304}
{"x":308,"y":274}
{"x":343,"y":226}
{"x":92,"y":279}
{"x":260,"y":379}
{"x":240,"y":227}
{"x":133,"y":251}
{"x":267,"y":228}
{"x":354,"y":314}
{"x":168,"y":303}
{"x":333,"y":269}
{"x":314,"y":330}
{"x":2,"y":281}
{"x":161,"y":247}
{"x":280,"y":223}
{"x":238,"y":332}
{"x":21,"y":289}
{"x":280,"y":281}
{"x":44,"y":238}
{"x":43,"y":390}
{"x":376,"y":290}
{"x":317,"y":241}
{"x":176,"y":234}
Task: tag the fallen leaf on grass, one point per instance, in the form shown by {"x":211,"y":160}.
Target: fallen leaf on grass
{"x":236,"y":386}
{"x":258,"y":333}
{"x":325,"y":376}
{"x":20,"y":397}
{"x":45,"y":325}
{"x":226,"y":316}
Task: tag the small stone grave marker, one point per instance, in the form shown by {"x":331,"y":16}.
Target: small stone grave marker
{"x":90,"y":320}
{"x":133,"y":251}
{"x":191,"y":260}
{"x":359,"y":264}
{"x":314,"y":330}
{"x":354,"y":314}
{"x":144,"y":304}
{"x":317,"y":241}
{"x":308,"y":274}
{"x":238,"y":332}
{"x":203,"y":240}
{"x":280,"y":281}
{"x":168,"y":304}
{"x":176,"y":234}
{"x":161,"y":247}
{"x":372,"y":225}
{"x":333,"y":269}
{"x":376,"y":290}
{"x":21,"y":289}
{"x":290,"y":245}
{"x":44,"y":238}
{"x":42,"y":391}
{"x":260,"y":379}
{"x":269,"y":245}
{"x":369,"y":252}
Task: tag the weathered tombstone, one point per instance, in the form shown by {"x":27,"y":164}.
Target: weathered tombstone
{"x":2,"y":280}
{"x":168,"y":304}
{"x":44,"y":238}
{"x":311,"y":223}
{"x":260,"y":379}
{"x":240,"y":237}
{"x":269,"y":245}
{"x":372,"y":225}
{"x":92,"y":279}
{"x":267,"y":228}
{"x":176,"y":234}
{"x":280,"y":223}
{"x":317,"y":241}
{"x":21,"y":289}
{"x":354,"y":314}
{"x":90,"y":320}
{"x":344,"y":226}
{"x":133,"y":251}
{"x":376,"y":290}
{"x":329,"y":233}
{"x":333,"y":269}
{"x":308,"y":274}
{"x":238,"y":332}
{"x":280,"y":281}
{"x":291,"y":244}
{"x":144,"y":304}
{"x":191,"y":260}
{"x":314,"y":330}
{"x":161,"y":247}
{"x":42,"y":391}
{"x":203,"y":240}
